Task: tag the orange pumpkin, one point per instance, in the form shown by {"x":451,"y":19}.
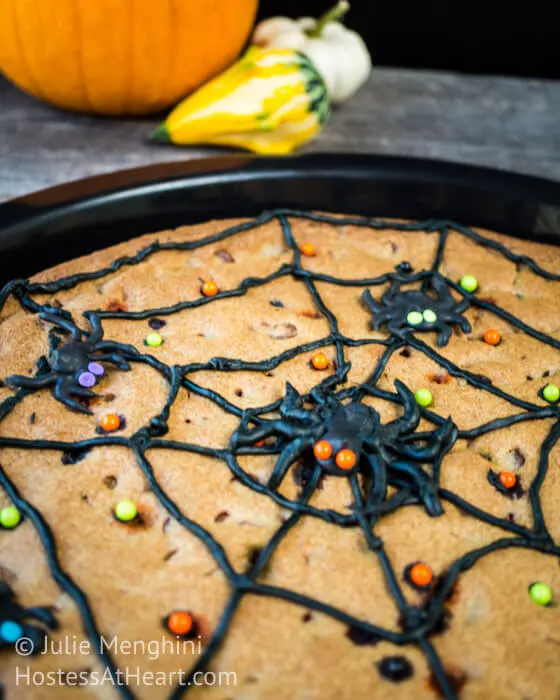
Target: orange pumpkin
{"x":119,"y":56}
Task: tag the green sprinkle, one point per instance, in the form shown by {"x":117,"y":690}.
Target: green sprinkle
{"x":423,"y":397}
{"x":10,"y":517}
{"x":429,"y":316}
{"x":551,"y":393}
{"x":414,"y":318}
{"x":154,"y":340}
{"x":469,"y":283}
{"x":126,"y":511}
{"x":540,"y":593}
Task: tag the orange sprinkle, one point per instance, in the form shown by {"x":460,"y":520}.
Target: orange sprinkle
{"x":507,"y":479}
{"x":180,"y":623}
{"x":209,"y":288}
{"x":260,"y":443}
{"x":320,"y":361}
{"x":492,"y":337}
{"x":308,"y":249}
{"x":421,"y":575}
{"x":110,"y":422}
{"x":345,"y":459}
{"x":322,"y":450}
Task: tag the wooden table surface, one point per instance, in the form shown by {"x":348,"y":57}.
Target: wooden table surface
{"x":508,"y":123}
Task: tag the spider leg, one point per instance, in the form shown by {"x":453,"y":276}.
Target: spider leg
{"x":465,"y":324}
{"x":424,"y":484}
{"x":408,"y":422}
{"x":397,"y":329}
{"x":248,"y":436}
{"x":370,"y":303}
{"x":68,"y":326}
{"x":444,"y":335}
{"x":379,"y":318}
{"x":390,"y":294}
{"x":83,"y":391}
{"x":111,"y":357}
{"x":96,"y":333}
{"x":439,"y":285}
{"x":18,"y":380}
{"x":287,"y":457}
{"x":61,"y":393}
{"x":112,"y":346}
{"x":42,"y":614}
{"x":378,"y":489}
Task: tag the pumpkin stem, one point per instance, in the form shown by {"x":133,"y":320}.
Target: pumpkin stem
{"x":335,"y":14}
{"x":160,"y":135}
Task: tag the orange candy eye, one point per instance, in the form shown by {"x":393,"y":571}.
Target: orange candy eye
{"x":320,"y":361}
{"x":492,"y":337}
{"x":322,"y":450}
{"x":507,"y":479}
{"x":110,"y":422}
{"x":345,"y":459}
{"x":209,"y":288}
{"x":308,"y":249}
{"x":180,"y":623}
{"x":421,"y":575}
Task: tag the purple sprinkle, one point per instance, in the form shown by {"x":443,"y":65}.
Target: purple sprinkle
{"x":86,"y":379}
{"x":96,"y":368}
{"x":156,"y":323}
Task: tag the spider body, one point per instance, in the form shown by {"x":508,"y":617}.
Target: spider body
{"x":72,"y":366}
{"x":387,"y":454}
{"x":15,"y":622}
{"x":429,"y":309}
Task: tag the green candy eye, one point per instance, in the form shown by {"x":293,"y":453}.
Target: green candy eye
{"x":414,"y":318}
{"x":429,"y":316}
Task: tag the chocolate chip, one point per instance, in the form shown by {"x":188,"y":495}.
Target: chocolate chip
{"x":456,"y":677}
{"x":110,"y":481}
{"x":439,"y":378}
{"x":75,"y":455}
{"x":517,"y":457}
{"x":396,"y":668}
{"x":170,"y":554}
{"x":277,"y":303}
{"x":306,"y":617}
{"x":222,"y":515}
{"x":32,"y":418}
{"x":156,"y":323}
{"x":405,"y":353}
{"x":224,"y":256}
{"x":311,"y":314}
{"x":281,"y":331}
{"x":361,"y":637}
{"x":239,"y":392}
{"x":115,"y":305}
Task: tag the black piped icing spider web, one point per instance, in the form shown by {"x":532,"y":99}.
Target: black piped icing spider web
{"x":391,"y":465}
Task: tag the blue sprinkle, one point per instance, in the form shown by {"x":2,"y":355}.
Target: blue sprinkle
{"x":10,"y":631}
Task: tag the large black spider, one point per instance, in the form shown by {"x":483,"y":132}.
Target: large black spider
{"x":15,"y":625}
{"x":417,"y":310}
{"x":386,"y":454}
{"x":74,"y":366}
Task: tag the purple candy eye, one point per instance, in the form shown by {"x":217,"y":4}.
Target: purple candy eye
{"x":96,"y":368}
{"x":86,"y":379}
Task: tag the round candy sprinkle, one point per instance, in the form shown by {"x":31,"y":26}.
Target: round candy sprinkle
{"x":507,"y":479}
{"x":492,"y":337}
{"x":10,"y":631}
{"x":87,"y":380}
{"x":429,"y":316}
{"x":320,"y":361}
{"x":469,"y":283}
{"x":96,"y":368}
{"x":10,"y":517}
{"x":423,"y":397}
{"x":110,"y":422}
{"x":180,"y":623}
{"x":345,"y":459}
{"x":126,"y":511}
{"x":414,"y":318}
{"x":308,"y":249}
{"x":540,"y":593}
{"x":153,"y":340}
{"x":209,"y":288}
{"x":421,"y":575}
{"x":551,"y":393}
{"x":322,"y":450}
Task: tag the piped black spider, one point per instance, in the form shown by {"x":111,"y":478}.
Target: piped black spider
{"x":386,"y":454}
{"x":68,"y":362}
{"x":417,"y":310}
{"x":15,"y":625}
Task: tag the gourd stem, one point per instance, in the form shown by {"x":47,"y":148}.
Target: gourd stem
{"x":333,"y":15}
